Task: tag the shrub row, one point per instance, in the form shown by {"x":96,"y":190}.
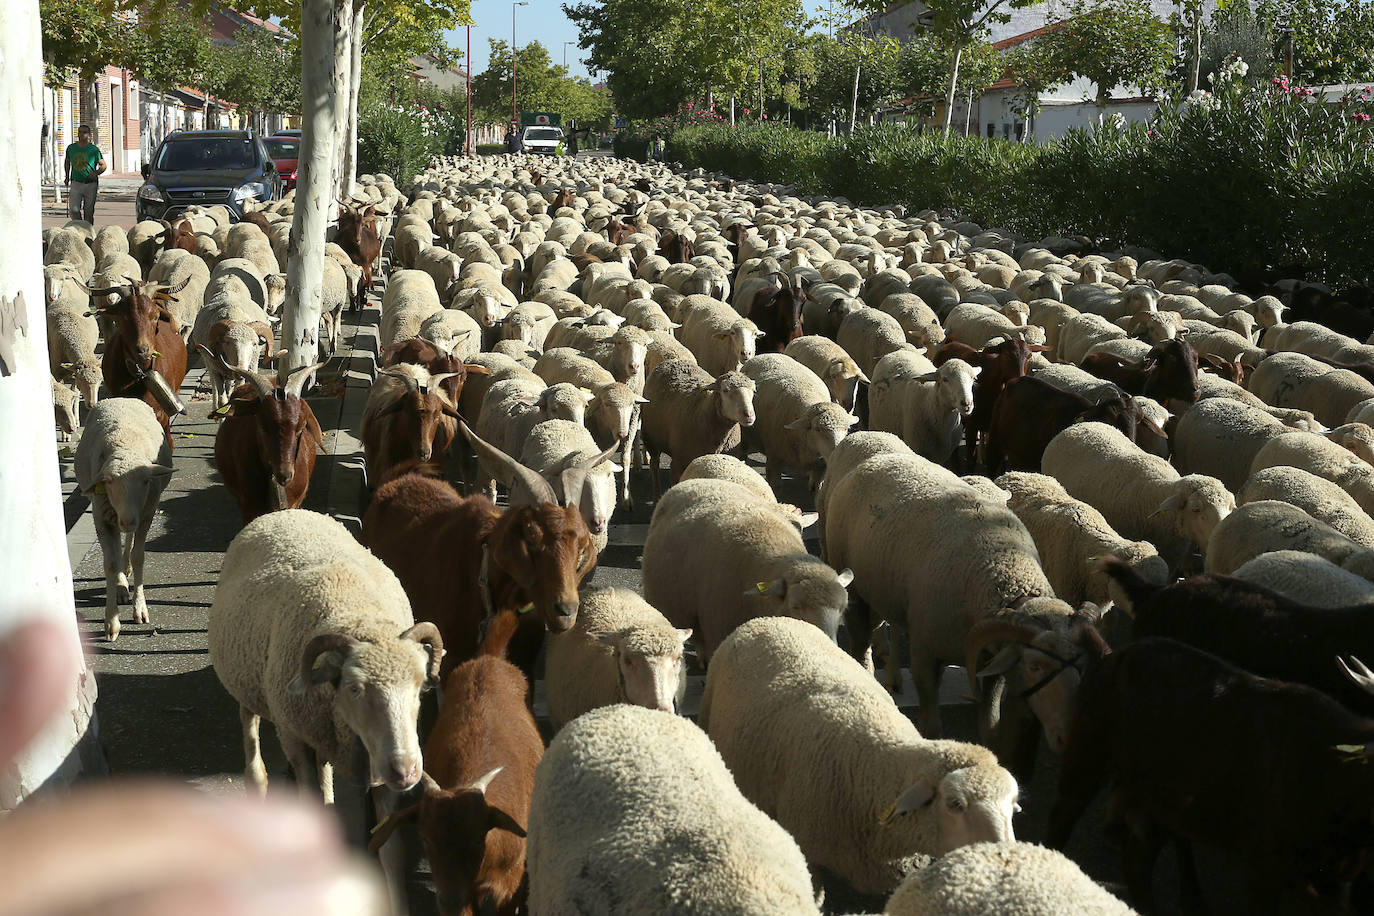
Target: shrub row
{"x":1255,"y":183}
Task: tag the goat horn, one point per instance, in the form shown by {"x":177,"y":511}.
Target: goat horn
{"x":295,"y":380}
{"x":265,"y":385}
{"x":104,"y":291}
{"x":427,"y":634}
{"x":593,"y":462}
{"x":995,"y":630}
{"x":533,"y":481}
{"x":325,"y":642}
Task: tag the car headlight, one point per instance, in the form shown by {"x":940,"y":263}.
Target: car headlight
{"x":251,"y":190}
{"x":151,"y":192}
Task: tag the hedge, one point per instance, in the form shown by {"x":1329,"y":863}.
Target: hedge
{"x":1253,"y":182}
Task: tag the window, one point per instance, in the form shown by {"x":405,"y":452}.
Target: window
{"x":1006,"y":131}
{"x":992,"y":131}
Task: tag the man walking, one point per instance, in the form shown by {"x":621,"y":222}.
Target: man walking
{"x":82,"y":169}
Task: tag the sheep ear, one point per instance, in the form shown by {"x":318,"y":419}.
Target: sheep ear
{"x":799,"y":423}
{"x":917,"y":796}
{"x":853,"y":420}
{"x":1175,"y":501}
{"x":1002,"y":662}
{"x":775,"y":587}
{"x":976,"y":371}
{"x":845,"y":577}
{"x":807,"y":519}
{"x":685,"y":635}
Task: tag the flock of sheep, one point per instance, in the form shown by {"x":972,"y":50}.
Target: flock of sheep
{"x":1015,"y":450}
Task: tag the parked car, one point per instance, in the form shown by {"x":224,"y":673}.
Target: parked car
{"x":205,"y":168}
{"x":542,"y":139}
{"x":285,"y":151}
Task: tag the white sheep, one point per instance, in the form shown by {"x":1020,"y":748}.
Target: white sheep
{"x":868,"y":335}
{"x":1295,"y":380}
{"x":1220,"y":437}
{"x":797,"y":426}
{"x":979,"y":561}
{"x":634,"y":812}
{"x":311,"y":632}
{"x":122,"y":464}
{"x":728,"y":467}
{"x":69,"y":245}
{"x":690,"y":414}
{"x":512,"y":407}
{"x":452,"y":332}
{"x":73,"y":333}
{"x":1140,"y":495}
{"x":718,"y":337}
{"x":1070,"y":535}
{"x":926,"y":406}
{"x":1005,"y":878}
{"x":1307,"y":579}
{"x":65,"y":402}
{"x":1083,"y":332}
{"x":747,"y":560}
{"x":865,"y":795}
{"x":621,"y":650}
{"x":1318,"y":455}
{"x":977,"y":325}
{"x":1318,"y":497}
{"x":1268,"y":525}
{"x":832,"y":364}
{"x":410,"y":298}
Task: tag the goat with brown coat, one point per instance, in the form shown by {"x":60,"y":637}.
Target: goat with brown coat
{"x":181,"y":235}
{"x":778,"y":314}
{"x":417,"y":351}
{"x":1169,"y":371}
{"x":357,"y":236}
{"x":408,"y":415}
{"x":265,"y":449}
{"x":145,"y":350}
{"x":1000,"y":363}
{"x":479,"y":776}
{"x":677,"y":248}
{"x":461,"y":560}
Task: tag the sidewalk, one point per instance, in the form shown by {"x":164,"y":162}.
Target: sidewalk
{"x":114,"y":205}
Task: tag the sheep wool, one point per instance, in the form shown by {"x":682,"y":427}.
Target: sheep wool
{"x":634,"y":812}
{"x":866,"y":796}
{"x":1008,"y":879}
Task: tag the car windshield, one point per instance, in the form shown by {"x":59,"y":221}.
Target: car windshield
{"x":283,"y":149}
{"x":208,"y":153}
{"x":543,"y":133}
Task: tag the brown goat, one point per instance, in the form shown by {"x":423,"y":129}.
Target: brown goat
{"x":479,"y":776}
{"x":1168,"y":372}
{"x":145,"y":343}
{"x":456,"y":557}
{"x":357,"y":236}
{"x":1000,"y":363}
{"x":563,"y":198}
{"x":677,"y":248}
{"x":265,"y":449}
{"x":420,"y":352}
{"x":418,"y":424}
{"x":181,"y":235}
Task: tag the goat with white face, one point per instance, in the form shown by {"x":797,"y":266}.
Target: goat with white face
{"x":123,"y":462}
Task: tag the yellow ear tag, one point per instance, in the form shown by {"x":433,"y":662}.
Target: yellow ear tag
{"x":763,"y":587}
{"x":100,"y":488}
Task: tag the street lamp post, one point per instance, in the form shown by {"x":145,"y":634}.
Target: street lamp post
{"x":513,"y":118}
{"x":468,"y":148}
{"x":565,"y":53}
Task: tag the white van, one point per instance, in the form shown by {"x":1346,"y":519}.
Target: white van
{"x":541,"y":139}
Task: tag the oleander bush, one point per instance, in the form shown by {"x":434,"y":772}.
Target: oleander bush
{"x":1252,"y":181}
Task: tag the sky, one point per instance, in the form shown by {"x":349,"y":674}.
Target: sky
{"x":541,"y":21}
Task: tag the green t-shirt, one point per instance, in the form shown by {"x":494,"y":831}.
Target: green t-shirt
{"x":85,"y":159}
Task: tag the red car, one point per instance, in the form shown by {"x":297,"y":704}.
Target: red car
{"x":284,"y":151}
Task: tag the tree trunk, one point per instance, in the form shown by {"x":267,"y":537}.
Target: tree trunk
{"x":1195,"y":54}
{"x":343,"y":72}
{"x":35,"y":577}
{"x":350,"y":150}
{"x":320,"y":43}
{"x":854,"y":99}
{"x":145,"y":125}
{"x":953,"y":84}
{"x":732,"y":109}
{"x":968,"y":112}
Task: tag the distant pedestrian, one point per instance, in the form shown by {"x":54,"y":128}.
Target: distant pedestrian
{"x":656,"y":148}
{"x":572,"y":142}
{"x":82,"y":169}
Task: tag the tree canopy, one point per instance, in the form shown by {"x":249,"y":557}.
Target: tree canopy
{"x":541,"y":85}
{"x":1113,"y":43}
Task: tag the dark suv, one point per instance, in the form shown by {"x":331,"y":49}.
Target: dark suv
{"x":207,"y":167}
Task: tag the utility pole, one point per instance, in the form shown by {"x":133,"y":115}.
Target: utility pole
{"x":565,"y":54}
{"x":513,"y":118}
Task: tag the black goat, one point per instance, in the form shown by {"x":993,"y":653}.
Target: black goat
{"x":1253,"y":627}
{"x":1198,"y":750}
